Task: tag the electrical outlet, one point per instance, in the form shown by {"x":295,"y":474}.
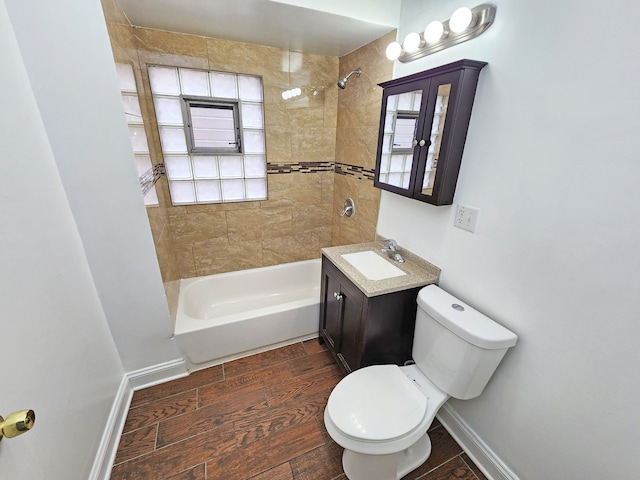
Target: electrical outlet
{"x":466,"y":218}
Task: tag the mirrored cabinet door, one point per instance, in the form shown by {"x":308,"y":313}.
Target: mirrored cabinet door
{"x":435,"y":138}
{"x":399,"y":140}
{"x":431,"y":174}
{"x":423,"y":126}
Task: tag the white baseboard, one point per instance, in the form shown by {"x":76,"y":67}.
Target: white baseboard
{"x":486,"y":460}
{"x":108,"y":446}
{"x":145,"y":377}
{"x":156,"y":374}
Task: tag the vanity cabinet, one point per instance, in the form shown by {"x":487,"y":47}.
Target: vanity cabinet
{"x":361,"y":330}
{"x":423,"y":128}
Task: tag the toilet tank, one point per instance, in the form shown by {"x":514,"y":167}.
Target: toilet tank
{"x":455,"y":346}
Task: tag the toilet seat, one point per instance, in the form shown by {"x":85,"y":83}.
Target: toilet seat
{"x":377,"y":404}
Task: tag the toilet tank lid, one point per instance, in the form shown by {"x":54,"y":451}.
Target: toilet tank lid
{"x":463,"y":320}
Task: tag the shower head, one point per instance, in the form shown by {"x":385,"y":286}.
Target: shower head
{"x":342,"y":83}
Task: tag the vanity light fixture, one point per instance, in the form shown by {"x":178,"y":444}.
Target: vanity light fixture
{"x":464,"y":24}
{"x":394,"y":49}
{"x":460,"y":20}
{"x":433,"y":32}
{"x":412,"y":42}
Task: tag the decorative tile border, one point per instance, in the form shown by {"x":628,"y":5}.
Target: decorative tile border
{"x":360,"y":173}
{"x":312,"y":167}
{"x":299,"y":167}
{"x":149,"y":178}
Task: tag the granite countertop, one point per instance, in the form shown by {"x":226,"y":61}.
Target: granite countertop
{"x":418,"y":271}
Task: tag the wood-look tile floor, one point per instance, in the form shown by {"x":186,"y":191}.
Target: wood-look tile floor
{"x":256,"y":418}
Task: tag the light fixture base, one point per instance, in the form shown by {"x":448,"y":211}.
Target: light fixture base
{"x":483,"y":16}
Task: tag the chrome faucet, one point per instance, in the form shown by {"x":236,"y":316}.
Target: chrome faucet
{"x":392,"y":250}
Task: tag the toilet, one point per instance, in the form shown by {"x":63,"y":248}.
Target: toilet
{"x":380,"y":414}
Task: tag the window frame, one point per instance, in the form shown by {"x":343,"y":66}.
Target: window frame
{"x":211,"y":102}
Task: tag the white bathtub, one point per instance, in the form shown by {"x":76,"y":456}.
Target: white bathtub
{"x":230,"y":315}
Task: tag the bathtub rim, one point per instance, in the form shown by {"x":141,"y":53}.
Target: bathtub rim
{"x":279,"y":266}
{"x":185,"y":324}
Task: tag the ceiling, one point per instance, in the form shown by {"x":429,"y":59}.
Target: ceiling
{"x":325,"y":27}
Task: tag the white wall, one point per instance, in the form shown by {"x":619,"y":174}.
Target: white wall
{"x":66,"y":51}
{"x":551,"y":161}
{"x":57,"y":355}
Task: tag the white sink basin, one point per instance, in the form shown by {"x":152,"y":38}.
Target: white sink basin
{"x":372,"y":265}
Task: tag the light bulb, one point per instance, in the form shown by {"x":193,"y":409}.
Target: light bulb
{"x":433,"y":32}
{"x":411,"y":42}
{"x":460,"y":19}
{"x":394,"y":49}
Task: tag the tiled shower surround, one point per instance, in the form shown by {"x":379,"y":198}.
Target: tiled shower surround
{"x":320,"y":150}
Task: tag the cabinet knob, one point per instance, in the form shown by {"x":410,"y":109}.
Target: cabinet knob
{"x":337,"y":296}
{"x":422,"y":143}
{"x":414,"y":143}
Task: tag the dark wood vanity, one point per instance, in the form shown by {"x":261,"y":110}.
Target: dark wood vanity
{"x":362,"y":327}
{"x":423,"y":128}
{"x":361,"y":331}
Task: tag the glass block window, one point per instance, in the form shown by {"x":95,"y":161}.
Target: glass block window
{"x":139,"y":143}
{"x":211,"y":127}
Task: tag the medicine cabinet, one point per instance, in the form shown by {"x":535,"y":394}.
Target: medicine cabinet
{"x":423,"y":127}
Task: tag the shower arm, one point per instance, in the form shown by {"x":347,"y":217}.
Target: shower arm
{"x":342,"y":83}
{"x":357,"y":71}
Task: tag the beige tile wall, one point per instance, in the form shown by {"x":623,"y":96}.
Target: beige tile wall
{"x":357,"y":140}
{"x":302,"y":213}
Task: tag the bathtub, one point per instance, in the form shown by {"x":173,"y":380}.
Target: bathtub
{"x":231,"y":315}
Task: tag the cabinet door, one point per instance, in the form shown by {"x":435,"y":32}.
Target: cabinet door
{"x":436,"y":135}
{"x":351,"y":342}
{"x":400,"y":137}
{"x":423,"y":128}
{"x":332,"y":311}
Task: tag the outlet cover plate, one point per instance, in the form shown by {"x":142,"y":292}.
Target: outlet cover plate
{"x":466,"y":218}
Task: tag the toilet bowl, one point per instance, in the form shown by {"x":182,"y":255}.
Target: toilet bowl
{"x":372,"y":440}
{"x":380,"y":414}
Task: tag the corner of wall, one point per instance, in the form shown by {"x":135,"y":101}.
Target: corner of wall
{"x":108,"y":446}
{"x":156,"y":374}
{"x":356,"y":142}
{"x":130,"y":382}
{"x":484,"y":458}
